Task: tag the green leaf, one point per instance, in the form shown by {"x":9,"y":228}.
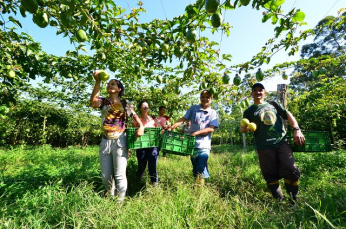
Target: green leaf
{"x":278,"y":3}
{"x":274,"y":19}
{"x":298,"y":16}
{"x":16,"y":22}
{"x":266,"y":17}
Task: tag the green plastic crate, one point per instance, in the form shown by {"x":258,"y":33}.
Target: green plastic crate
{"x":315,"y":141}
{"x":150,"y":138}
{"x":177,"y":143}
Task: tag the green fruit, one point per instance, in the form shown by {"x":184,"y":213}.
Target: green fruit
{"x":101,"y":56}
{"x":237,"y":80}
{"x":204,"y":85}
{"x":178,"y":51}
{"x":322,"y":71}
{"x":259,"y":75}
{"x":22,"y":11}
{"x":242,"y":104}
{"x":252,"y":126}
{"x":216,"y":20}
{"x":245,"y":2}
{"x":159,"y":79}
{"x":211,"y":6}
{"x":191,"y":35}
{"x":40,"y":2}
{"x":247,"y":104}
{"x":212,"y":90}
{"x":229,"y":4}
{"x":165,"y":48}
{"x":177,"y":90}
{"x":315,"y":73}
{"x":226,"y":79}
{"x":244,"y":122}
{"x":284,"y":76}
{"x":11,"y":73}
{"x":112,"y":68}
{"x":104,"y":76}
{"x":30,"y":5}
{"x":81,"y":35}
{"x":41,"y":19}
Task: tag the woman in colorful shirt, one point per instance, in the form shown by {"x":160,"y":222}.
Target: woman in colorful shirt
{"x":113,"y":147}
{"x":147,"y":155}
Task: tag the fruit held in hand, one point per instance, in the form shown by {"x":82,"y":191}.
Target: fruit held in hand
{"x":104,"y":76}
{"x":244,"y":122}
{"x":252,"y":126}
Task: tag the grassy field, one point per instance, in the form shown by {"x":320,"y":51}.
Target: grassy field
{"x":44,"y":187}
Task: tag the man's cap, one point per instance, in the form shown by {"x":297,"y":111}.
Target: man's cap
{"x":258,"y":85}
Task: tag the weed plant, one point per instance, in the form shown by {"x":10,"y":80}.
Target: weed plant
{"x":44,"y":187}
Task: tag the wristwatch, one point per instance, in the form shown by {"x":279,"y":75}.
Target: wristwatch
{"x":296,"y":128}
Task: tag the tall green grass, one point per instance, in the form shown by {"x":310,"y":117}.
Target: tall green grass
{"x":44,"y":187}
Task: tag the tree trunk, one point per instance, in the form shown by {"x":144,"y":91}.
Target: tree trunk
{"x":43,"y":140}
{"x":244,"y":141}
{"x":230,"y":136}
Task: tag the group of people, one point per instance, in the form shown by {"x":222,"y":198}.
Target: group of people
{"x":275,"y":155}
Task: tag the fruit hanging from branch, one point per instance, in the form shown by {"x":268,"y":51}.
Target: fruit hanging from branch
{"x":41,"y":18}
{"x":30,"y":5}
{"x":236,"y":80}
{"x":216,"y":20}
{"x":211,"y":6}
{"x":259,"y":75}
{"x":226,"y":79}
{"x":81,"y":35}
{"x":191,"y":36}
{"x":284,"y":76}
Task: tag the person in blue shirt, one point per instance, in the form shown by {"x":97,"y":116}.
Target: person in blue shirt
{"x":203,"y":121}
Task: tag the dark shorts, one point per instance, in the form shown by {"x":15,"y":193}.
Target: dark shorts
{"x":278,"y":162}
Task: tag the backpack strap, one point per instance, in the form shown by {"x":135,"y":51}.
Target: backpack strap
{"x":279,"y":109}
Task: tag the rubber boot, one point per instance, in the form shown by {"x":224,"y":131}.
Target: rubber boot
{"x":292,"y":189}
{"x":276,"y":191}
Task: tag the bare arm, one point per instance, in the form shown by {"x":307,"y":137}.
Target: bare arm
{"x":209,"y":129}
{"x":140,"y":130}
{"x":94,"y":98}
{"x":177,"y":123}
{"x":298,"y":136}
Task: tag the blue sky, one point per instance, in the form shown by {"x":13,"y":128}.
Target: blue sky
{"x":247,"y":36}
